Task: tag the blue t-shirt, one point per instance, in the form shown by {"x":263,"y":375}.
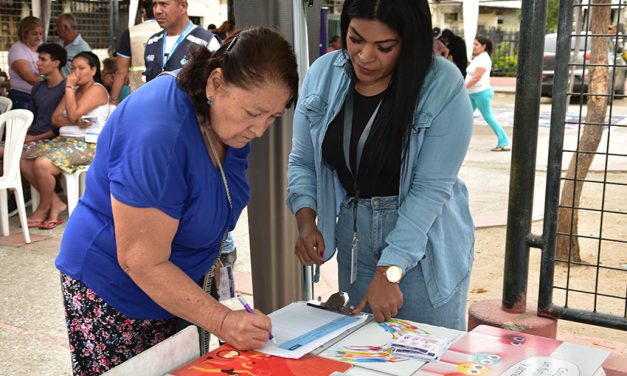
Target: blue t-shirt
{"x":43,"y":101}
{"x":151,"y":154}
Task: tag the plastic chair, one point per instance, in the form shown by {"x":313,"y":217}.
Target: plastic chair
{"x":74,"y":188}
{"x":5,"y":104}
{"x":15,"y":123}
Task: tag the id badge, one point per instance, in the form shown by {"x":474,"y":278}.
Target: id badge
{"x":354,"y":259}
{"x":226,"y":289}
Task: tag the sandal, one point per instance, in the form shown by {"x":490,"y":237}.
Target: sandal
{"x":34,"y":223}
{"x":500,"y":148}
{"x":49,"y":225}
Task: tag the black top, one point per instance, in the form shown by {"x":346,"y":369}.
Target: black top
{"x":388,"y":181}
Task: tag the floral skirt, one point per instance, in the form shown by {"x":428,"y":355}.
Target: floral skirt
{"x":67,"y":153}
{"x":102,"y":337}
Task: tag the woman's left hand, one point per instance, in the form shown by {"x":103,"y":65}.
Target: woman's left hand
{"x":383,"y":297}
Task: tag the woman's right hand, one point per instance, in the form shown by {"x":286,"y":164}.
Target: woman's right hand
{"x":309,"y":246}
{"x":246,"y":331}
{"x":71,"y":79}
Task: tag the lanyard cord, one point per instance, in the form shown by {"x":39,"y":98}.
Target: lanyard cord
{"x":208,"y":140}
{"x":182,"y":36}
{"x":348,"y":127}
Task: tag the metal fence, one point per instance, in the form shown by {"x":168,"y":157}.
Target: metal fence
{"x":583,"y":273}
{"x":505,"y":50}
{"x":99,"y":22}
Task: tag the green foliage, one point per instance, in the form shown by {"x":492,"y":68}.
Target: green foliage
{"x":505,"y":60}
{"x":552,"y":15}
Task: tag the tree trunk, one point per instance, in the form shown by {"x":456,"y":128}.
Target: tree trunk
{"x":568,"y":245}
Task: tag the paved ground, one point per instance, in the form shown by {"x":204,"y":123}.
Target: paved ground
{"x":32,"y":330}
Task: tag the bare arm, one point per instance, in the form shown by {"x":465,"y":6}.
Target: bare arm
{"x":94,"y":96}
{"x":43,"y":136}
{"x":121,"y":75}
{"x":475,"y":77}
{"x":58,"y":118}
{"x":144,"y":254}
{"x":23,"y":70}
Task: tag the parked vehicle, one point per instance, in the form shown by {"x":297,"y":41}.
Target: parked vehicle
{"x":617,"y":69}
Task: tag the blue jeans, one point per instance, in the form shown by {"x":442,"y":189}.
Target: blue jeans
{"x":376,"y":217}
{"x":20,"y":99}
{"x":482,"y":100}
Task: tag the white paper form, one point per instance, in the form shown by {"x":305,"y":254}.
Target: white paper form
{"x":299,"y":329}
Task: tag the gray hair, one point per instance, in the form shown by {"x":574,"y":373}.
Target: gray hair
{"x":69,"y":20}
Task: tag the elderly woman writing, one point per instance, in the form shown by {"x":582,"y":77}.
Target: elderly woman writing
{"x":23,"y":61}
{"x":167,"y":183}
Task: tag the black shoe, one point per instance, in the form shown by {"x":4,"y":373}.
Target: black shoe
{"x":12,"y":204}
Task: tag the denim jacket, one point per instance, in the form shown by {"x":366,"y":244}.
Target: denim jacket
{"x":434,"y":228}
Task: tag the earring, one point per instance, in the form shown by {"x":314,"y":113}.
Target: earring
{"x":209,"y":101}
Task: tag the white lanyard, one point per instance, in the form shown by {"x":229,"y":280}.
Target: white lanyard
{"x":182,"y":36}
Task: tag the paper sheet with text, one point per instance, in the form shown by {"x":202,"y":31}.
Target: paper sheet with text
{"x":299,"y":329}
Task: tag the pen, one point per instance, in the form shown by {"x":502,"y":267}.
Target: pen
{"x":250,"y":310}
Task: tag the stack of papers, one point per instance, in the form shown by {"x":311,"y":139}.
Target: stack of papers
{"x":299,"y":329}
{"x":420,"y":346}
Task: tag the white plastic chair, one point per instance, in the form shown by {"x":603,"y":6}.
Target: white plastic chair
{"x":74,"y":188}
{"x":15,"y":123}
{"x":6,"y":104}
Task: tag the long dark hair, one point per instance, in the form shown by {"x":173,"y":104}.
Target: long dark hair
{"x":248,"y":58}
{"x":93,"y":61}
{"x":411,"y":19}
{"x":485,"y":41}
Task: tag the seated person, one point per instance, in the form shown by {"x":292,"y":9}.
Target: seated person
{"x":82,"y":112}
{"x":109,"y":68}
{"x":46,"y":95}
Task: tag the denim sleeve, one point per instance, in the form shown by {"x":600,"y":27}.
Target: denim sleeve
{"x":435,"y":172}
{"x":301,"y":170}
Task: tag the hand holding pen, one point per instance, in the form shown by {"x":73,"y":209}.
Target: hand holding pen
{"x":243,"y":330}
{"x":249,"y":309}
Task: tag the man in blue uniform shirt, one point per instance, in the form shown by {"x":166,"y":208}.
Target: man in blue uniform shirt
{"x":167,"y":49}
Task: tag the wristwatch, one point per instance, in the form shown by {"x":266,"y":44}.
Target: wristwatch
{"x":393,"y":274}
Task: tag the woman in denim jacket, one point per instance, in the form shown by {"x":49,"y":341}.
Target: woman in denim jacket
{"x":401,"y":223}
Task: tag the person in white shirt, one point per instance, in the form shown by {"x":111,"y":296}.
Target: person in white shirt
{"x":480,"y":90}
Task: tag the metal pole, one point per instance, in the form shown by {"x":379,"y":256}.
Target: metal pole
{"x":114,"y":22}
{"x":523,"y":164}
{"x":276,"y":272}
{"x":556,"y":146}
{"x":324,"y":30}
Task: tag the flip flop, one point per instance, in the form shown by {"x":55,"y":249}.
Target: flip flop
{"x":49,"y":225}
{"x":500,"y":148}
{"x":34,"y":223}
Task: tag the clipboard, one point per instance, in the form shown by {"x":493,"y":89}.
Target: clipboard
{"x":337,"y":302}
{"x":308,"y":328}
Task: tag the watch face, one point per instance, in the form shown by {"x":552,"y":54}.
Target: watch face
{"x":394,"y":274}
